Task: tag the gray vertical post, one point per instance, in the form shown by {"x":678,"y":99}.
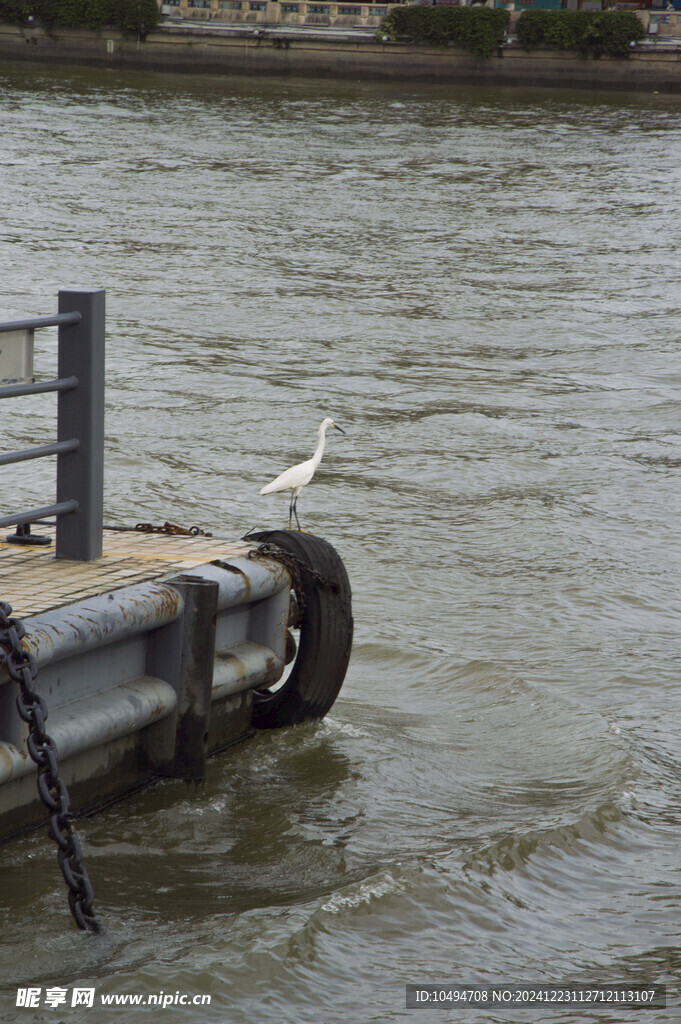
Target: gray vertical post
{"x":196,"y":675}
{"x":184,"y":655}
{"x":80,"y":414}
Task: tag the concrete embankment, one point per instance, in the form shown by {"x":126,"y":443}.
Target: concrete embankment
{"x":233,"y":50}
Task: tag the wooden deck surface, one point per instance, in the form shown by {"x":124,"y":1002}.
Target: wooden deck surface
{"x":32,"y":580}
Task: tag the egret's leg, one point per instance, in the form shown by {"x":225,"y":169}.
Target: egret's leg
{"x":291,"y":510}
{"x":295,"y":510}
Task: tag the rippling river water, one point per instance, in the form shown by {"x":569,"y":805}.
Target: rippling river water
{"x":482,"y":287}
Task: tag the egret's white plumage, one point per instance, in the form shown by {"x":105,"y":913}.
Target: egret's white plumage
{"x":295,"y":478}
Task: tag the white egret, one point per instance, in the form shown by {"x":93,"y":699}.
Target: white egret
{"x":295,"y":478}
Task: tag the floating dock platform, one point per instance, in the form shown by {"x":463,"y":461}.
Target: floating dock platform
{"x":142,"y":653}
{"x":147,"y":660}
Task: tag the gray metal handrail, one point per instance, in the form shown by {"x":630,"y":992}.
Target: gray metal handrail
{"x":35,"y":322}
{"x":80,"y":424}
{"x":41,"y":388}
{"x":34,"y":515}
{"x":39,"y":452}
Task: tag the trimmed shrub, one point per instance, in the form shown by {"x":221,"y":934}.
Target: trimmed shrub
{"x":589,"y":33}
{"x":480,"y":30}
{"x":46,"y":12}
{"x":618,"y":31}
{"x":137,"y":17}
{"x":16,"y":12}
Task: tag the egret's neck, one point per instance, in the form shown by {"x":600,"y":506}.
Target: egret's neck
{"x":319,"y":450}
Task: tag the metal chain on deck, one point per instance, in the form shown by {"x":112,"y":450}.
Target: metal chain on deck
{"x":22,"y":668}
{"x":172,"y":528}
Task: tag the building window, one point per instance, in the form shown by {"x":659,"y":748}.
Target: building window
{"x":378,"y":12}
{"x":317,"y":8}
{"x":230,"y":5}
{"x":289,"y":8}
{"x":257,"y":5}
{"x":356,"y":9}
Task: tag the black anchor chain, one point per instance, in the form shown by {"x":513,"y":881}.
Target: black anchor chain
{"x":22,"y":668}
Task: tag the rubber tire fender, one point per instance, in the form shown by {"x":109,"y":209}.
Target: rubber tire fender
{"x":325,"y":641}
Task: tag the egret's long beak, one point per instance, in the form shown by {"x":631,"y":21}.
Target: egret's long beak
{"x":339,"y":428}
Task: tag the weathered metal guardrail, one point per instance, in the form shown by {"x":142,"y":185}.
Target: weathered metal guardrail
{"x":80,"y":424}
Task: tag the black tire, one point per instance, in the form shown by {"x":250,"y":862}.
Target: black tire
{"x":325,"y":623}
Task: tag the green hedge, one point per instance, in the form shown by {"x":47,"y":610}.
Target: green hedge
{"x":481,"y":30}
{"x":135,"y":16}
{"x":16,"y":12}
{"x":589,"y":33}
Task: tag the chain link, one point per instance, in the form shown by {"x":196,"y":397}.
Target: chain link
{"x":172,"y":528}
{"x":22,"y":669}
{"x":295,"y":566}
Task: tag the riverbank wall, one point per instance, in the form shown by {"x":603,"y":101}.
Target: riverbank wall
{"x":281,"y":51}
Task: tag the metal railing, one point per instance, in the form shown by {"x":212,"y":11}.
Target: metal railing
{"x":80,"y":424}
